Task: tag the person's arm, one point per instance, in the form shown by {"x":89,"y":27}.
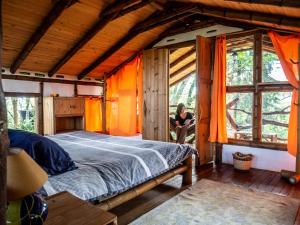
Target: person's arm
{"x":177,"y":121}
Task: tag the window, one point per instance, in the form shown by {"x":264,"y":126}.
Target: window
{"x":22,"y":113}
{"x":240,"y":62}
{"x":239,"y":115}
{"x":258,"y":94}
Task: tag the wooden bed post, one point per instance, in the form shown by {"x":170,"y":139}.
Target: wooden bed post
{"x":3,"y":137}
{"x":187,"y":176}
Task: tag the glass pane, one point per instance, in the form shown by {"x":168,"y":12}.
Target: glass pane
{"x":271,"y":69}
{"x":239,"y":115}
{"x":275,"y":115}
{"x":183,"y":92}
{"x":22,"y":113}
{"x":239,"y":62}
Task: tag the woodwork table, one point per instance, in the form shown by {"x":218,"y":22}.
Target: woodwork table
{"x":66,"y":209}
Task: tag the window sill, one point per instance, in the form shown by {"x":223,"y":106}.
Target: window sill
{"x":270,"y":146}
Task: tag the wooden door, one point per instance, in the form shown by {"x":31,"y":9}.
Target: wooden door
{"x":204,"y":48}
{"x":156,"y":94}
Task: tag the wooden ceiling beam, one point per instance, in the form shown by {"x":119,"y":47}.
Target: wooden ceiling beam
{"x":151,"y":22}
{"x":183,"y":57}
{"x":182,"y":78}
{"x":183,"y":68}
{"x":248,"y":16}
{"x":110,"y":13}
{"x":281,"y":3}
{"x":50,"y":18}
{"x":161,"y":36}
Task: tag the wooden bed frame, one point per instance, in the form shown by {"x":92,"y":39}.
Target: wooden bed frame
{"x":185,"y":170}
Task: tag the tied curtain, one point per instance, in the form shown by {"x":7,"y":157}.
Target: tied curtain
{"x":286,"y":48}
{"x":93,"y":114}
{"x":218,"y":131}
{"x":124,"y":100}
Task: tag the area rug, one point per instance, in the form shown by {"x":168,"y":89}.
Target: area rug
{"x":210,"y":202}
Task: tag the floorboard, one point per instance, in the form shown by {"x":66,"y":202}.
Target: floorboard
{"x":260,"y":180}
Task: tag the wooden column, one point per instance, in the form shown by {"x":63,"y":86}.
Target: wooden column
{"x":3,"y":137}
{"x":40,"y":110}
{"x":156,"y":94}
{"x":257,"y":78}
{"x":298,"y":118}
{"x":204,"y":48}
{"x":103,"y":105}
{"x":75,"y":89}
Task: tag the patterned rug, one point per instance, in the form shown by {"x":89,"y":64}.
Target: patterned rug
{"x":209,"y":202}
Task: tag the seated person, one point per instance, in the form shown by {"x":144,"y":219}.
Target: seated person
{"x":183,"y":120}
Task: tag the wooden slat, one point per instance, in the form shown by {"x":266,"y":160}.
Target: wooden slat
{"x":182,"y":78}
{"x":187,"y":54}
{"x":155,"y":96}
{"x":282,"y":3}
{"x":51,"y":17}
{"x":110,"y":13}
{"x":3,"y":138}
{"x":180,"y":70}
{"x":151,"y":22}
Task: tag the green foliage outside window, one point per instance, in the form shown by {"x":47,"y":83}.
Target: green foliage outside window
{"x":21,"y":113}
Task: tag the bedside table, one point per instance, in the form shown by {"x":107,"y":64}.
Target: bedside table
{"x":66,"y":209}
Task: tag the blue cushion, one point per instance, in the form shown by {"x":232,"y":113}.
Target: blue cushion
{"x":48,"y":154}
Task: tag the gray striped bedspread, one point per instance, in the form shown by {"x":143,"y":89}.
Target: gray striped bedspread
{"x":109,"y":165}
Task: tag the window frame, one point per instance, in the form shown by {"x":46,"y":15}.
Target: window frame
{"x":39,"y":106}
{"x":257,"y":88}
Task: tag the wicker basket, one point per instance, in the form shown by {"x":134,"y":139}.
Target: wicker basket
{"x":242,"y":161}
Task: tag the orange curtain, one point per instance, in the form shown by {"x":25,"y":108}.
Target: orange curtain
{"x":218,"y":131}
{"x":93,"y":114}
{"x":122,"y":98}
{"x":286,"y":48}
{"x":140,"y":96}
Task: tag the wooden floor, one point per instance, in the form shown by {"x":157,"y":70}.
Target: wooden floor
{"x":261,"y":180}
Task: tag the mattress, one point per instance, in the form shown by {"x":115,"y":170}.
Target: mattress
{"x":108,"y":165}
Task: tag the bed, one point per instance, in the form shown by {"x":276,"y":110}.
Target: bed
{"x":110,"y":165}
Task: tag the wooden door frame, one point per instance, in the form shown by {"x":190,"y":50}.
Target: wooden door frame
{"x":3,"y":137}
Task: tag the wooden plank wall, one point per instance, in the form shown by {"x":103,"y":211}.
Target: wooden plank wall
{"x":3,"y":137}
{"x":203,"y":98}
{"x":156,"y":94}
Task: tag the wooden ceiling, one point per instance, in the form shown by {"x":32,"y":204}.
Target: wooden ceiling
{"x":96,"y":37}
{"x":182,"y":63}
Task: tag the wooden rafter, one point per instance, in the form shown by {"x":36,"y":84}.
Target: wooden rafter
{"x":182,"y":78}
{"x":51,"y":17}
{"x":179,"y":27}
{"x":248,"y":16}
{"x":183,"y":68}
{"x":151,"y":22}
{"x":110,"y":13}
{"x":282,"y":3}
{"x":184,"y":56}
{"x":158,"y":39}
